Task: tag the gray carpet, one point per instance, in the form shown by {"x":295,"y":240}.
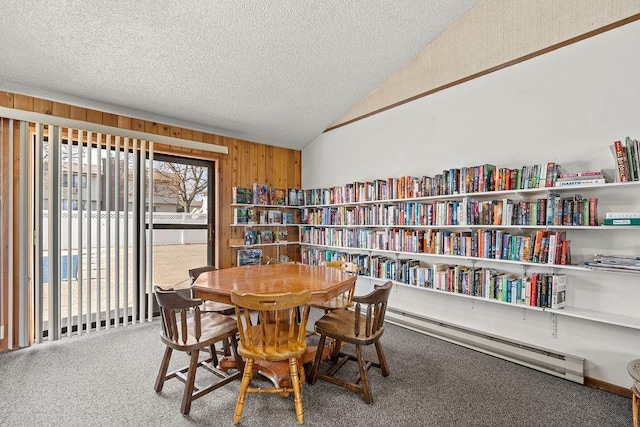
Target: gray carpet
{"x":106,"y":379}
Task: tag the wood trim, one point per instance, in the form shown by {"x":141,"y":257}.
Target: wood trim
{"x":548,"y":49}
{"x":612,"y":388}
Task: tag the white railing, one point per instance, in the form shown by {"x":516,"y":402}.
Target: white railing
{"x":160,"y":236}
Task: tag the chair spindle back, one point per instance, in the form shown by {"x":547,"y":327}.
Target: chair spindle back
{"x":174,"y":309}
{"x":376,"y":308}
{"x":278,"y":324}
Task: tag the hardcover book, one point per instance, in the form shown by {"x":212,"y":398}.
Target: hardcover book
{"x":583,"y":181}
{"x":287,"y":217}
{"x":240,"y":216}
{"x":252,"y":216}
{"x":274,"y":217}
{"x":263,"y":217}
{"x":293,"y":197}
{"x":249,"y":257}
{"x":620,"y":215}
{"x":630,"y":148}
{"x":242,"y":196}
{"x":249,"y":237}
{"x":621,"y":221}
{"x":265,"y":236}
{"x":260,"y":194}
{"x":589,"y":174}
{"x":622,"y":165}
{"x":278,"y":196}
{"x":558,"y":291}
{"x":280,"y":236}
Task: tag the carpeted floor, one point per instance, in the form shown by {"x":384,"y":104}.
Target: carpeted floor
{"x":106,"y":379}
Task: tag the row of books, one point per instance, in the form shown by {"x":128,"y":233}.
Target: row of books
{"x":541,"y":247}
{"x":251,"y":216}
{"x":262,"y":194}
{"x":627,"y":159}
{"x":552,"y":210}
{"x":473,"y":179}
{"x":535,"y":290}
{"x":258,"y":237}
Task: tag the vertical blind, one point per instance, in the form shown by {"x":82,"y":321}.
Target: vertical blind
{"x":75,"y":256}
{"x":91,"y":231}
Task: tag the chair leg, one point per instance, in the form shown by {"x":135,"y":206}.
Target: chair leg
{"x":634,"y":407}
{"x":164,"y":367}
{"x":335,"y":349}
{"x":214,"y":355}
{"x":366,"y":388}
{"x":189,"y":384}
{"x":225,"y":347}
{"x":382,"y":359}
{"x":297,"y":389}
{"x":236,"y":356}
{"x":311,"y":379}
{"x":246,"y":380}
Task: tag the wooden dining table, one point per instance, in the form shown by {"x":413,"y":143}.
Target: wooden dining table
{"x":324,"y":283}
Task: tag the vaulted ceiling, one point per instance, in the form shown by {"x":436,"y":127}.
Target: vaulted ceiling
{"x":278,"y":72}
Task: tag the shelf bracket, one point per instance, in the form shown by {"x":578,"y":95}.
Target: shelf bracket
{"x":554,"y":325}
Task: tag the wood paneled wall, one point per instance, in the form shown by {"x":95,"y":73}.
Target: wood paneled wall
{"x":246,"y":163}
{"x":4,"y":230}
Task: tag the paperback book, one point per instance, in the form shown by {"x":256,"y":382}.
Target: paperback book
{"x":613,"y":262}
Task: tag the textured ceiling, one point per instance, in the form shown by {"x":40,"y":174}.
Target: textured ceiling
{"x":277,"y":72}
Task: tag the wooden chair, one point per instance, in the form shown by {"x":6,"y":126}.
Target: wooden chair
{"x":185,"y":328}
{"x":633,"y":368}
{"x":278,"y":335}
{"x":343,"y":300}
{"x":209,"y":306}
{"x":357,"y":328}
{"x":213,"y":306}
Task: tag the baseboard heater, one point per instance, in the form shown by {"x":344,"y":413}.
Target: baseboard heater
{"x":544,"y":360}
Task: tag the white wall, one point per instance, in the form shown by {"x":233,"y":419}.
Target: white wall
{"x":566,"y":106}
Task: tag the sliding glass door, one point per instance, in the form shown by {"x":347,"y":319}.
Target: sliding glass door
{"x":112,"y":219}
{"x":183,"y":218}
